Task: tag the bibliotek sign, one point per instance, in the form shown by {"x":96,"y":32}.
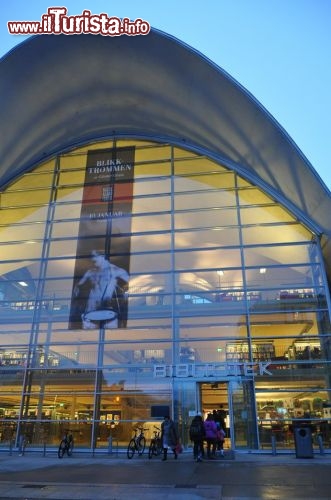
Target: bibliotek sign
{"x":211,"y":370}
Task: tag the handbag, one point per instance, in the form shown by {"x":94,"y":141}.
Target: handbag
{"x":179,"y":448}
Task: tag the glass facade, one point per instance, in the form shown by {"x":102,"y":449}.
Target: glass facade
{"x":137,"y":278}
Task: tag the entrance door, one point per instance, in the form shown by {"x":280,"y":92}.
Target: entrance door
{"x":237,"y":399}
{"x":214,"y":397}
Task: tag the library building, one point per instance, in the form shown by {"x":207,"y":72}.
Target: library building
{"x":165,"y":250}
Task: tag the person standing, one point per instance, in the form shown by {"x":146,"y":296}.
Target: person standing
{"x":211,"y":435}
{"x":197,"y":435}
{"x":169,"y":436}
{"x":220,"y":440}
{"x":221,"y":417}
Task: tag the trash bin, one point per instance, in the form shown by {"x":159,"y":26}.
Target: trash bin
{"x":303,"y":442}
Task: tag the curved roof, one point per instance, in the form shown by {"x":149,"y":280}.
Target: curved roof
{"x":59,"y":91}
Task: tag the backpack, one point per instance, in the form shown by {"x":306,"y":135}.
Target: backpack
{"x":220,"y":435}
{"x":196,"y":430}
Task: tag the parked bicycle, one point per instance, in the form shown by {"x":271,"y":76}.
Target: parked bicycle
{"x":155,"y":447}
{"x":66,"y":444}
{"x":137,"y":442}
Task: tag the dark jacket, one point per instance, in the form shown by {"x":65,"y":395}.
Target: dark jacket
{"x":197,"y":429}
{"x":169,"y":433}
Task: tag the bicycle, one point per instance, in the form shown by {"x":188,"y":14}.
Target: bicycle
{"x":66,"y":445}
{"x":155,"y":447}
{"x":137,"y":443}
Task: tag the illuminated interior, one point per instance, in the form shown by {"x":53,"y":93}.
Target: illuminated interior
{"x":220,"y":273}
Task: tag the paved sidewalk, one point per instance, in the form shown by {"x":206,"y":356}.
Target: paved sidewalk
{"x":247,"y":476}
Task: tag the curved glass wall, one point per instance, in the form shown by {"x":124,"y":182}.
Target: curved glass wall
{"x":138,"y":278}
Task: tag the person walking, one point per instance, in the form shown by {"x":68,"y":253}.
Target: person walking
{"x":169,"y":437}
{"x":197,"y":435}
{"x":211,"y":436}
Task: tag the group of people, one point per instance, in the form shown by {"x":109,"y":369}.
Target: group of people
{"x":212,"y":431}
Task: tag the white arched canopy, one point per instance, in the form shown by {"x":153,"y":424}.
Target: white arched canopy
{"x":60,"y":91}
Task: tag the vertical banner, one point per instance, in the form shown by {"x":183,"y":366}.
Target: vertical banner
{"x":102,"y":268}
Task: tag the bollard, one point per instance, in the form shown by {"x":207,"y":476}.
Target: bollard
{"x":20,"y":445}
{"x":320,"y":444}
{"x":273,"y":444}
{"x":110,"y":445}
{"x":44,"y":450}
{"x":11,"y":447}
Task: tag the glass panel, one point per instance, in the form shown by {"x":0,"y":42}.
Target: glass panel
{"x":208,"y":351}
{"x":64,"y":356}
{"x":151,"y":186}
{"x":145,"y":205}
{"x":274,"y":234}
{"x":210,"y":284}
{"x":143,"y":323}
{"x":24,"y":217}
{"x":63,"y":230}
{"x":213,"y":329}
{"x":17,"y":197}
{"x":59,"y":252}
{"x":38,"y":178}
{"x":279,"y":411}
{"x":264,"y":214}
{"x":14,"y":336}
{"x":10,"y":399}
{"x":15,"y":314}
{"x":150,"y":152}
{"x":72,"y":173}
{"x":220,"y":258}
{"x":196,"y":304}
{"x":286,"y":349}
{"x":149,"y":223}
{"x":216,"y":219}
{"x":180,"y":153}
{"x":244,"y":418}
{"x":150,"y":263}
{"x":137,"y":353}
{"x":252,"y":195}
{"x":284,"y":324}
{"x":150,"y":332}
{"x":200,"y":176}
{"x":211,"y":237}
{"x":280,"y":254}
{"x":155,"y":242}
{"x":285,"y":278}
{"x":17,"y":282}
{"x":185,"y":394}
{"x":60,"y":406}
{"x":206,"y":199}
{"x":149,"y":290}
